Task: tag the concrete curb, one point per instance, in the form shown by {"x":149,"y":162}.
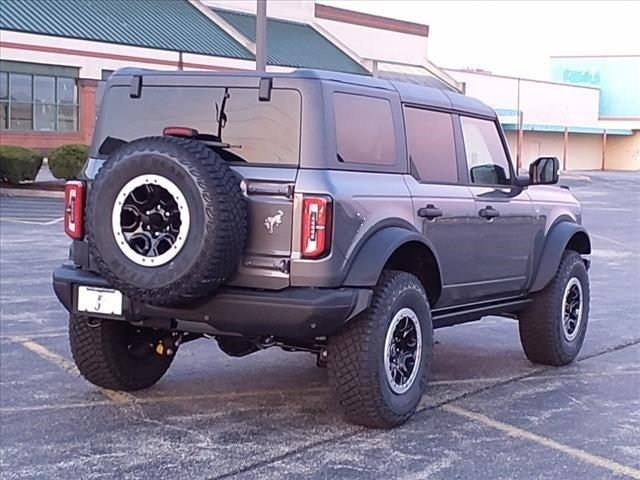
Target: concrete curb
{"x":20,"y":192}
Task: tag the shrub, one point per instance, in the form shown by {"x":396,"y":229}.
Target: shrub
{"x":18,"y":164}
{"x":67,"y":161}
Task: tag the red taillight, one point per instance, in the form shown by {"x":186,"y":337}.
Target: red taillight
{"x":74,"y":209}
{"x":180,"y":132}
{"x":316,"y":226}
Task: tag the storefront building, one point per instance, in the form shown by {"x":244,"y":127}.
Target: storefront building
{"x":55,"y":55}
{"x":588,"y":116}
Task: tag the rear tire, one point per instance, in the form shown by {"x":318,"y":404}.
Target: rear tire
{"x":116,"y":355}
{"x":370,"y":366}
{"x":553,"y":327}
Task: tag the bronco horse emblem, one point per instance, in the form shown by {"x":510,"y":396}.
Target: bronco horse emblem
{"x":271,"y":222}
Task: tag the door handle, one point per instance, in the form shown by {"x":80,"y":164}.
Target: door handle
{"x":430,"y":212}
{"x":489,"y":212}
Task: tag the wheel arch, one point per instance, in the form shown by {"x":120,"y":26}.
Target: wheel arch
{"x":563,"y":236}
{"x":397,"y":248}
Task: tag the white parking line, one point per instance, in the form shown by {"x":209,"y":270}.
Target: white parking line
{"x":31,"y":222}
{"x":586,"y":457}
{"x":56,"y":407}
{"x":31,"y":336}
{"x":121,"y":398}
{"x":610,"y":240}
{"x":533,"y":378}
{"x":237,"y":395}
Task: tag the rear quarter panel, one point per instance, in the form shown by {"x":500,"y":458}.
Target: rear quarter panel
{"x":363,"y":203}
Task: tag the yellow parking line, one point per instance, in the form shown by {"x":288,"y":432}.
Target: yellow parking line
{"x":120,"y":398}
{"x":586,"y":457}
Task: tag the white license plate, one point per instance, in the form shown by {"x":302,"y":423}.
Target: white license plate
{"x":99,"y":300}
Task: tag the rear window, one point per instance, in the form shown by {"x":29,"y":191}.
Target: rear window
{"x":364,"y":129}
{"x":257,"y":132}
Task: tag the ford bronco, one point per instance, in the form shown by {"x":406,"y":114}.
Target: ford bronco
{"x":336,"y":214}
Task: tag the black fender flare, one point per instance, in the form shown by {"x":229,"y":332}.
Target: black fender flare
{"x":376,"y":251}
{"x":556,"y":243}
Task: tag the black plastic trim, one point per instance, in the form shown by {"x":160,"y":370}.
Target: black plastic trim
{"x":446,"y":317}
{"x":292,"y":313}
{"x":373,"y":255}
{"x":554,"y":246}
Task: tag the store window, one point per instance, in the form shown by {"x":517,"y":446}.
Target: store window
{"x":38,"y":98}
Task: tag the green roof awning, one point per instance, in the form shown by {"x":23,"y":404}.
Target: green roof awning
{"x":173,"y":25}
{"x":291,"y":44}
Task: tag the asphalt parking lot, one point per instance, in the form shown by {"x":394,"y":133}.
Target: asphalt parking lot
{"x":488,"y":413}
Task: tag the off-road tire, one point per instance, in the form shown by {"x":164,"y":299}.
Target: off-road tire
{"x":540,"y":324}
{"x":99,"y":349}
{"x":355,"y":360}
{"x":217,"y":233}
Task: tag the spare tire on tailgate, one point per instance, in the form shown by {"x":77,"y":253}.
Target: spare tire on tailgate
{"x":166,"y":220}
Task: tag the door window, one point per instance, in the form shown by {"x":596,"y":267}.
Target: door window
{"x":486,"y":158}
{"x":431,"y":146}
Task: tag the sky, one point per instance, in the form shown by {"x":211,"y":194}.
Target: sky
{"x":514,"y":37}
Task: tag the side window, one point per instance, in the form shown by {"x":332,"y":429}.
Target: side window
{"x":364,"y":129}
{"x":486,"y":158}
{"x":431,"y":145}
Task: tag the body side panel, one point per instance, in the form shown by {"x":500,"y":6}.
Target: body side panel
{"x":363,"y":203}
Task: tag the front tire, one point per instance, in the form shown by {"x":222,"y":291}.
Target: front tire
{"x":553,"y":327}
{"x":378,"y":365}
{"x":116,"y":355}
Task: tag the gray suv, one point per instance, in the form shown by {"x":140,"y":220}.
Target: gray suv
{"x":340,"y":215}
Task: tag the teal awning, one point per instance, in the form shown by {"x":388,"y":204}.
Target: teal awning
{"x":560,"y":129}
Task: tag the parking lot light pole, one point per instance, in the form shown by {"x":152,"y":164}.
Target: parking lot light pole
{"x":261,"y":36}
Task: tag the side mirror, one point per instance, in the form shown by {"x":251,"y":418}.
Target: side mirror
{"x":544,"y":171}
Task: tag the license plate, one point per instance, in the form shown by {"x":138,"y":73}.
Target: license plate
{"x":105,"y":301}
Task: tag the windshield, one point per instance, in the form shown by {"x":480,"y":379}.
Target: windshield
{"x":254,"y":131}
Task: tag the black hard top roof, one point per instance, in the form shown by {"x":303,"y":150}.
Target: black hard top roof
{"x":409,"y":92}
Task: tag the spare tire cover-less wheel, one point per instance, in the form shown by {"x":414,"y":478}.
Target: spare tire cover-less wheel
{"x":166,"y":220}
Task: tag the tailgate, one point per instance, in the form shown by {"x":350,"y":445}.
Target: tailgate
{"x":269,"y":194}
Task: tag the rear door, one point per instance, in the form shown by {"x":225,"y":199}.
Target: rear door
{"x":263,"y":148}
{"x":443,"y":208}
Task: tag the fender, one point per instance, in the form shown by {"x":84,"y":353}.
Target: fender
{"x":557,"y":240}
{"x":373,"y":255}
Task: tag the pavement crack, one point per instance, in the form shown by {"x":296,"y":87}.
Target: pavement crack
{"x":418,"y":414}
{"x":283,"y":456}
{"x":614,"y":348}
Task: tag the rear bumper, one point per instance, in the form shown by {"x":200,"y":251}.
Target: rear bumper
{"x":293,"y":313}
